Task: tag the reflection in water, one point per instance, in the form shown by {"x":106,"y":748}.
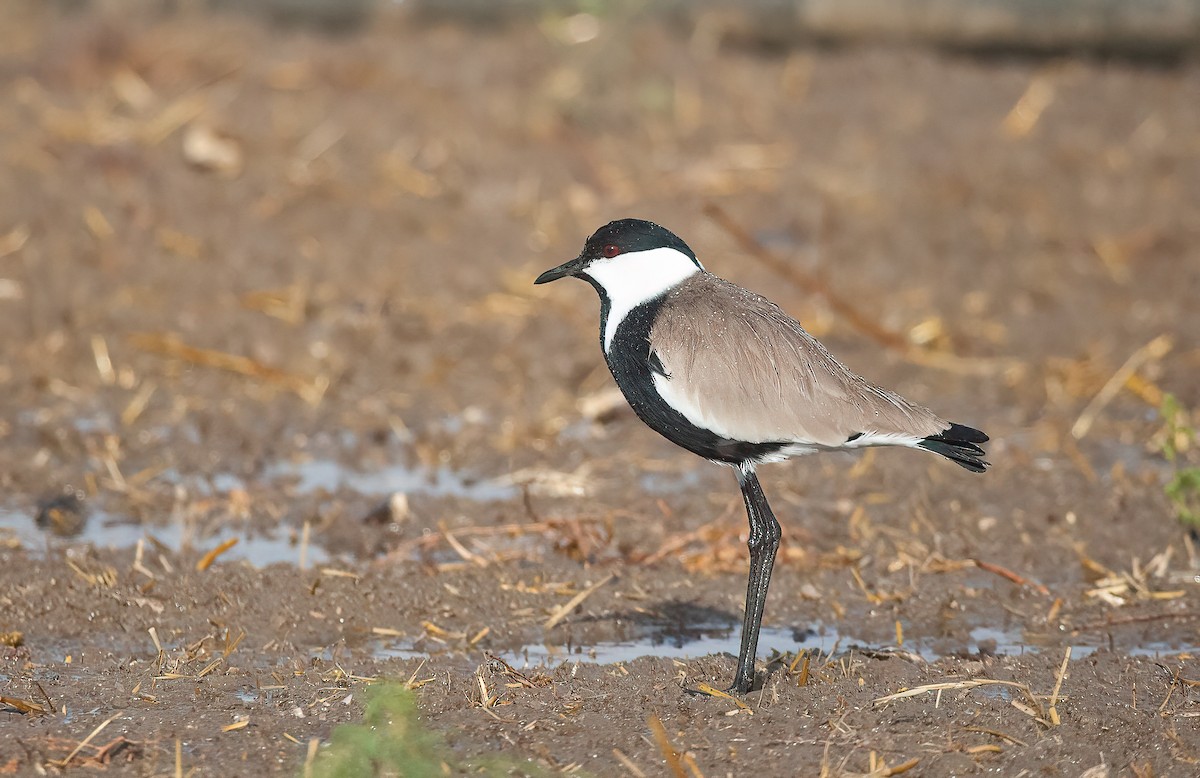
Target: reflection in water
{"x":670,"y":642}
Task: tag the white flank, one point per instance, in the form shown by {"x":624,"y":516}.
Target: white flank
{"x":631,"y":279}
{"x":681,"y":400}
{"x":793,"y":450}
{"x":881,"y":439}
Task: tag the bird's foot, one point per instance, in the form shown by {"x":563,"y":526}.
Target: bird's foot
{"x":741,"y":685}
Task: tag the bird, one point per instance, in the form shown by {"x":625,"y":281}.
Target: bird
{"x":728,"y":375}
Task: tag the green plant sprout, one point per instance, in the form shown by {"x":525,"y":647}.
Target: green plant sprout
{"x":1179,"y":447}
{"x":392,"y":742}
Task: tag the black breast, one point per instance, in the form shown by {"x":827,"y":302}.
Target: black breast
{"x":633,"y":366}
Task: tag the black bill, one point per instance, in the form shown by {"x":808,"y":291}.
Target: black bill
{"x":562,"y":271}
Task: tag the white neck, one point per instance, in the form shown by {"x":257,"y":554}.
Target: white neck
{"x":631,"y":279}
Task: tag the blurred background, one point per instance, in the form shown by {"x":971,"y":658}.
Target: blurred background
{"x":266,"y":296}
{"x":232,"y":233}
{"x":255,"y":252}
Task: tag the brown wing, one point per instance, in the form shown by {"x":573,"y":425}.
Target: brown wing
{"x":740,"y":366}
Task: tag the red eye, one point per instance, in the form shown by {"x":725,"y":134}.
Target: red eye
{"x":610,"y":250}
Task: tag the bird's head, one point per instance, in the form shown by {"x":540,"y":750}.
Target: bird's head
{"x":630,"y":255}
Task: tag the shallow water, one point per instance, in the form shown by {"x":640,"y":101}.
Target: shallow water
{"x":330,"y":475}
{"x":704,"y":640}
{"x":106,"y":531}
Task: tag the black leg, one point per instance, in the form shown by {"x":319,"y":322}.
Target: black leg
{"x":764,"y":542}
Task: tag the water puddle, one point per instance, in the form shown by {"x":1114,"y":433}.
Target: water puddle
{"x":330,"y":476}
{"x":85,"y":522}
{"x":1014,"y":643}
{"x":104,"y":531}
{"x":673,"y":643}
{"x":78,"y":522}
{"x":699,"y":642}
{"x":670,"y":483}
{"x":666,"y":643}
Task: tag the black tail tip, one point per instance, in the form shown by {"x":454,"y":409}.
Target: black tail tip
{"x":962,"y":432}
{"x":960,"y":444}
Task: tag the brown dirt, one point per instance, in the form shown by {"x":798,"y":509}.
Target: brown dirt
{"x":202,"y":345}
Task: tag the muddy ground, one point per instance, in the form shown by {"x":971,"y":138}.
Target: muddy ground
{"x":271,"y":285}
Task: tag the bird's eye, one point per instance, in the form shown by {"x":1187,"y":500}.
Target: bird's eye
{"x":611,"y":250}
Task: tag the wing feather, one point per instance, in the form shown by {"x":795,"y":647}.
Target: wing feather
{"x":740,"y":366}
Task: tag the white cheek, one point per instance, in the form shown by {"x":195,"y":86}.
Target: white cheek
{"x":631,"y":279}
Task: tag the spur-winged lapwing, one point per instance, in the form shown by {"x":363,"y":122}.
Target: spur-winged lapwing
{"x":726,"y":374}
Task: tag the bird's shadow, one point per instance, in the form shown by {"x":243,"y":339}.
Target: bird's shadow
{"x":674,"y":623}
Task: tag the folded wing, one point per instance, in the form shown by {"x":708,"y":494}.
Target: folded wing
{"x":735,"y":363}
